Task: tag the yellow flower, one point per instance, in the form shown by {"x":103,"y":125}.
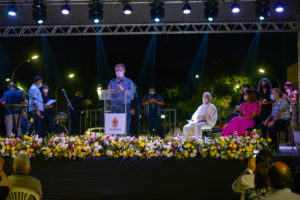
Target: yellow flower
{"x":188,"y":145}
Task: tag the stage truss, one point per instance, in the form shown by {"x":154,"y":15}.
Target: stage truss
{"x":144,"y":29}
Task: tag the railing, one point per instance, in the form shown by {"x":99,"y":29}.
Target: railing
{"x":223,"y":113}
{"x":94,"y":118}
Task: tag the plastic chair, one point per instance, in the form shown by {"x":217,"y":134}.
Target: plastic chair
{"x":20,"y":193}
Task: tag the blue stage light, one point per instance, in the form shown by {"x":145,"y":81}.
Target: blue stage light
{"x":157,"y":11}
{"x":12,"y":10}
{"x":211,"y":10}
{"x":262,"y":9}
{"x":261,"y":18}
{"x":210,"y":19}
{"x":65,"y":9}
{"x":40,"y":21}
{"x":39,"y":13}
{"x":186,"y":9}
{"x":96,"y":21}
{"x":279,"y":7}
{"x":127,"y":9}
{"x":235,"y":8}
{"x":96,"y":11}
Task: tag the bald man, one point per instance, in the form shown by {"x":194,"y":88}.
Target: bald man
{"x":280,"y":176}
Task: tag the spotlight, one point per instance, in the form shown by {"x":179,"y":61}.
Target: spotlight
{"x":65,"y":9}
{"x":39,"y":13}
{"x":279,"y":7}
{"x":186,"y":9}
{"x":211,"y":10}
{"x":12,"y":10}
{"x":96,"y":12}
{"x":127,"y":9}
{"x":262,"y":9}
{"x":235,"y":8}
{"x":157,"y":11}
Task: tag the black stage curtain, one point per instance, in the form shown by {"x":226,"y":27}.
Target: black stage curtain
{"x":107,"y":178}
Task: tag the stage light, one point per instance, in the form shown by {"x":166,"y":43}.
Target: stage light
{"x":186,"y":9}
{"x":71,"y":75}
{"x":39,"y":13}
{"x":34,"y":57}
{"x":262,"y":71}
{"x":197,"y":76}
{"x":65,"y":9}
{"x":127,"y":9}
{"x":211,"y":10}
{"x":157,"y":11}
{"x":95,"y":12}
{"x":279,"y":7}
{"x":262,"y":9}
{"x":12,"y":10}
{"x":7,"y":79}
{"x":235,"y":8}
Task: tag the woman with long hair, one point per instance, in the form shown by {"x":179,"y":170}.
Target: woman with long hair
{"x":292,"y":96}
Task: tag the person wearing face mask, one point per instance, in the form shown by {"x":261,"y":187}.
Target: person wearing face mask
{"x":205,"y":117}
{"x":124,"y":85}
{"x":278,"y":119}
{"x":152,"y":103}
{"x":36,"y":106}
{"x":48,"y":109}
{"x":292,"y":96}
{"x":265,"y":103}
{"x":248,"y":112}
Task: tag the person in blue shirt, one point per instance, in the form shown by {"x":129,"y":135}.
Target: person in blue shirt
{"x":12,"y":116}
{"x":36,"y":106}
{"x":152,"y":103}
{"x":48,"y":109}
{"x":123,"y":85}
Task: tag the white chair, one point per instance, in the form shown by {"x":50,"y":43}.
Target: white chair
{"x":20,"y":193}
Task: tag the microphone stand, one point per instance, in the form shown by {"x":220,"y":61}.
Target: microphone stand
{"x":70,"y":108}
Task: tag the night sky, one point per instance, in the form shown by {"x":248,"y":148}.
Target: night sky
{"x":168,"y":61}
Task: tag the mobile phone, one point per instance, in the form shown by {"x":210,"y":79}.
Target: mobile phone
{"x":255,"y":152}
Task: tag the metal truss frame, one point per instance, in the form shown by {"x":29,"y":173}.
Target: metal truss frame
{"x":144,"y":29}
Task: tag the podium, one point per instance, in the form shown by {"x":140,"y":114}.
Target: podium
{"x":115,"y":111}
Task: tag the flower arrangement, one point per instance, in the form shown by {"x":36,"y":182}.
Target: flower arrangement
{"x":179,"y":147}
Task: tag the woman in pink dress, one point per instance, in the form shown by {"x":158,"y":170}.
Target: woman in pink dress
{"x":249,"y":110}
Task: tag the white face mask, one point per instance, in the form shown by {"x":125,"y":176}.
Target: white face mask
{"x":45,"y":90}
{"x":205,"y":100}
{"x":40,"y":85}
{"x":245,"y":97}
{"x":119,"y":74}
{"x":288,"y":91}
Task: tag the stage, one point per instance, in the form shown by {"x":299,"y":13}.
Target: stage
{"x":135,"y":178}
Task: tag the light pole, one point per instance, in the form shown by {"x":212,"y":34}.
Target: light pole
{"x":70,"y":76}
{"x":7,"y":79}
{"x":34,"y":57}
{"x":262,"y":71}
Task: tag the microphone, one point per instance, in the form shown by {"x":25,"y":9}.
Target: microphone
{"x":63,"y":90}
{"x":19,"y":88}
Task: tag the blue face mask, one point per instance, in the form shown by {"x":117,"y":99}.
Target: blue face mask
{"x":152,"y":93}
{"x":272,"y":97}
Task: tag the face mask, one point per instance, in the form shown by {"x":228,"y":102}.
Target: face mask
{"x":245,"y":97}
{"x":272,"y":97}
{"x":40,"y":85}
{"x":45,"y":90}
{"x":119,"y":74}
{"x":152,"y":93}
{"x":288,"y":91}
{"x":205,"y":100}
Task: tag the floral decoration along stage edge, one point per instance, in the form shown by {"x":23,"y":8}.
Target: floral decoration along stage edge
{"x":80,"y":147}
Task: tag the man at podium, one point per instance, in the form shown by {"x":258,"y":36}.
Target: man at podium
{"x":125,"y":85}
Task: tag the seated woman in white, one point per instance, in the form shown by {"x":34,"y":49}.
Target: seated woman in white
{"x":205,"y":117}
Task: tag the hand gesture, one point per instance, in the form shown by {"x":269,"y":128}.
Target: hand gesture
{"x":132,"y":112}
{"x":271,"y":124}
{"x":1,"y":163}
{"x":120,"y":87}
{"x":38,"y":113}
{"x":252,"y":164}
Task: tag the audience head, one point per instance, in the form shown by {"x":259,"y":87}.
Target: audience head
{"x":45,"y":88}
{"x":11,"y":85}
{"x":246,"y":87}
{"x":78,"y":94}
{"x":264,"y":156}
{"x":151,"y":90}
{"x":38,"y":80}
{"x":289,"y":87}
{"x":251,"y":96}
{"x":264,"y":82}
{"x":120,"y":70}
{"x":261,"y":179}
{"x":206,"y":98}
{"x":276,"y":92}
{"x":280,"y":175}
{"x":21,"y":164}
